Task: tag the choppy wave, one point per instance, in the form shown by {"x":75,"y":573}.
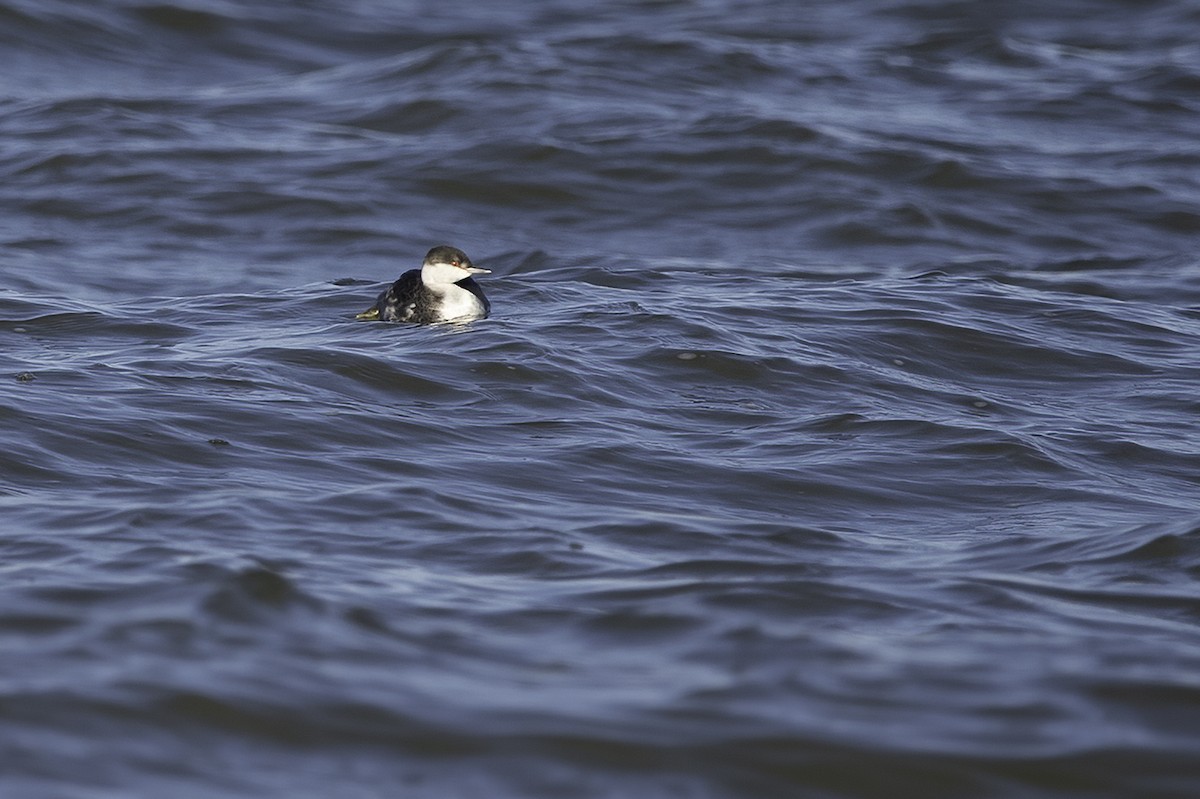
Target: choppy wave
{"x":832,"y":434}
{"x":618,"y":522}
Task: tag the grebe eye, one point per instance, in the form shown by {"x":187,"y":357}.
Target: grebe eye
{"x":455,"y":262}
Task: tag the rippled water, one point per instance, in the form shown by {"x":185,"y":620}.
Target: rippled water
{"x":833,"y":435}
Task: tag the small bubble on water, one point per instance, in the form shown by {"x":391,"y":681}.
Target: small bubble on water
{"x":687,"y":356}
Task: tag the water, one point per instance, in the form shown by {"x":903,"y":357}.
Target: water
{"x":833,"y":434}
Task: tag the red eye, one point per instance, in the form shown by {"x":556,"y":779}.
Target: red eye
{"x":455,"y":262}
